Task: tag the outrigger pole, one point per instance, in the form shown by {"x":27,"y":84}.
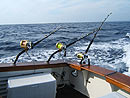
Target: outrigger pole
{"x":27,"y":46}
{"x":65,"y":47}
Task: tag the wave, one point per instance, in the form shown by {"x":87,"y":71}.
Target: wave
{"x":113,"y":55}
{"x":127,"y":35}
{"x":126,"y":58}
{"x":110,"y":48}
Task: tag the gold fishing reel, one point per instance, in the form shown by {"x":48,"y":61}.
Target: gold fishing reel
{"x":25,"y":44}
{"x":59,"y":45}
{"x":80,"y":55}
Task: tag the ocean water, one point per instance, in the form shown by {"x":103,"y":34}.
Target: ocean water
{"x":110,"y":49}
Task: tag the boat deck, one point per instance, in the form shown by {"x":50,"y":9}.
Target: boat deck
{"x":69,"y":92}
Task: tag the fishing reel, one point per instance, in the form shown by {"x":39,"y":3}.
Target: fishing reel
{"x":61,"y":46}
{"x":26,"y":44}
{"x":82,"y":56}
{"x":29,"y":45}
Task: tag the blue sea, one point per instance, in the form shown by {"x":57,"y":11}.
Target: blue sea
{"x":110,"y":49}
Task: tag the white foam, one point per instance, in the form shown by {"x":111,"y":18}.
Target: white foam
{"x":128,"y":35}
{"x":41,"y":55}
{"x":99,"y":53}
{"x":126,"y":58}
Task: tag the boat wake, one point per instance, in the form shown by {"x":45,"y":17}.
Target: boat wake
{"x":113,"y":55}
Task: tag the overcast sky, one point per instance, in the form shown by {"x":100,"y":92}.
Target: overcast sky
{"x":55,"y":11}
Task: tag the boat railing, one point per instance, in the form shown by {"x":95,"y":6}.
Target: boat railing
{"x":118,"y":79}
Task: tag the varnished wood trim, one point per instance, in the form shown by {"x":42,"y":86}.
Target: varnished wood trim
{"x":31,"y":66}
{"x":74,"y":65}
{"x":97,"y":70}
{"x":120,"y":80}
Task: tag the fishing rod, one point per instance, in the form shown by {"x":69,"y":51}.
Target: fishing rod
{"x":83,"y":55}
{"x":29,"y":45}
{"x":61,"y":47}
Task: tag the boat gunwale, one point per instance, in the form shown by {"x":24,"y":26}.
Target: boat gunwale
{"x":118,"y":79}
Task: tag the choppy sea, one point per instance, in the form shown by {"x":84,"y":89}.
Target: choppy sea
{"x":110,"y":49}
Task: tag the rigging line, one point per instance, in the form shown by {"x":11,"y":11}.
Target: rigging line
{"x":36,"y":44}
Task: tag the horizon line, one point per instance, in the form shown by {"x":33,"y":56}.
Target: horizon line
{"x":58,"y":22}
